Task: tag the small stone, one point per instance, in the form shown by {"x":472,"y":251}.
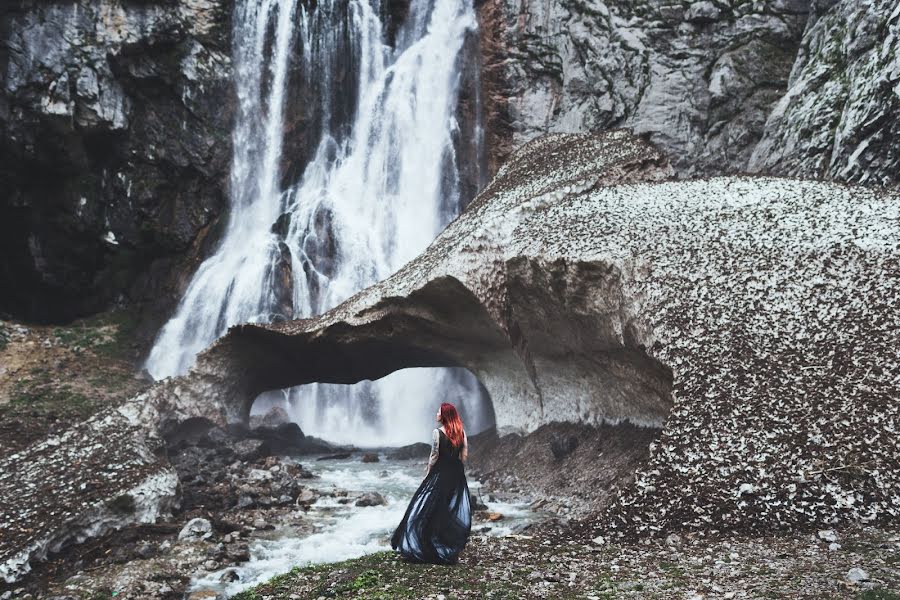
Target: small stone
{"x":673,"y":539}
{"x":307,"y":497}
{"x":599,"y":540}
{"x":196,"y":529}
{"x":828,"y":535}
{"x":702,"y":12}
{"x":857,"y":575}
{"x":834,"y":546}
{"x":746,"y":488}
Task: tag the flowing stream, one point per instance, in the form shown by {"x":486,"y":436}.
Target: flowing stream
{"x":342,"y":530}
{"x":382,"y":182}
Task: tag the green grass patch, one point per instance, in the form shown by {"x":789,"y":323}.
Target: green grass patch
{"x":384,"y":576}
{"x":60,"y":400}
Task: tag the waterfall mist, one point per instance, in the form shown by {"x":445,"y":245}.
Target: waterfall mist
{"x":382,"y":182}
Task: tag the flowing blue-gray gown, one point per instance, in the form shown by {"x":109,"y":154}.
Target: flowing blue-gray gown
{"x":437,"y":522}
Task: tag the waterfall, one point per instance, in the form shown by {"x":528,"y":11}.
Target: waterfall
{"x":381,"y":184}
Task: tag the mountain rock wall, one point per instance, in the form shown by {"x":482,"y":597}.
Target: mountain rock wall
{"x":785,"y":87}
{"x":115,"y":137}
{"x":839,"y":117}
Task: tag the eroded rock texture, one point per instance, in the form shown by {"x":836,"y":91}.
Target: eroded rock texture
{"x":115,"y":123}
{"x":101,"y":475}
{"x":839,"y":118}
{"x":699,"y":77}
{"x":786,"y":87}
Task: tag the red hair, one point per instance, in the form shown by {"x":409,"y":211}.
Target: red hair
{"x":453,"y":426}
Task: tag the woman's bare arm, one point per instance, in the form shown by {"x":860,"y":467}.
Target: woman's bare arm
{"x":464,"y":455}
{"x":432,"y":458}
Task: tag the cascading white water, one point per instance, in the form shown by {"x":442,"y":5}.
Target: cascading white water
{"x":234,"y":285}
{"x":382,"y":183}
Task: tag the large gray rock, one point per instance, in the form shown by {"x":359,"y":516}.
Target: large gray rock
{"x":786,"y":87}
{"x":699,"y":78}
{"x":838,"y":119}
{"x":115,"y":137}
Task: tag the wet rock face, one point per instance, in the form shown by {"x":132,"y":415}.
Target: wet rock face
{"x":115,"y":127}
{"x":699,"y":77}
{"x":838,"y":118}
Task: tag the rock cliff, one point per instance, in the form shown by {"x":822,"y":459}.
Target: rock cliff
{"x":787,"y":87}
{"x":115,"y":124}
{"x":116,"y":116}
{"x":838,"y":117}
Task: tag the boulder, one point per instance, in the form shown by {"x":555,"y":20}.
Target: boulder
{"x":251,"y":450}
{"x":307,"y":497}
{"x":272,"y":418}
{"x":412,"y":451}
{"x":286,"y":438}
{"x":196,"y":529}
{"x":371,"y":499}
{"x":370,"y":457}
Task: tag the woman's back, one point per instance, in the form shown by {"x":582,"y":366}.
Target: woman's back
{"x":446,"y":448}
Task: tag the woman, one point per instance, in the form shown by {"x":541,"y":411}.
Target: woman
{"x":436,"y":525}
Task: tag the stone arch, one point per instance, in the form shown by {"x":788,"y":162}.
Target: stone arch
{"x":560,"y":344}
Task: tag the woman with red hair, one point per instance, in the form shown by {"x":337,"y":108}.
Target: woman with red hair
{"x":436,"y":525}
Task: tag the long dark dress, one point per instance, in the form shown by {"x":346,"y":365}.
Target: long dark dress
{"x":436,"y":525}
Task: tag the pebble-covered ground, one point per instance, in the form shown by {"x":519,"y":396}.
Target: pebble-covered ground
{"x":861,"y":563}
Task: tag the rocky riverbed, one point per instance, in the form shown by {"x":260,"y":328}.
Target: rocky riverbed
{"x":254,"y":503}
